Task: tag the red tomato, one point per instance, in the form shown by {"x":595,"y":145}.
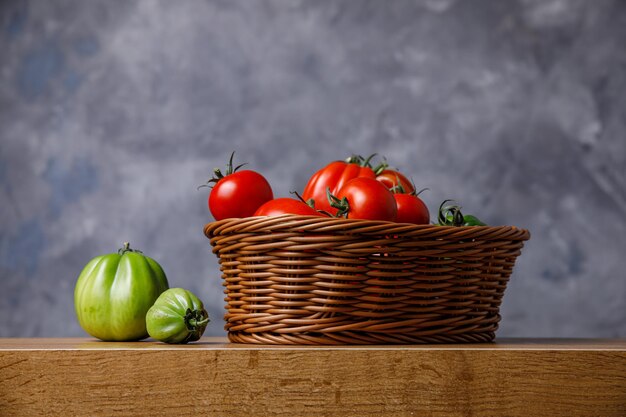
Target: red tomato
{"x":237,"y":194}
{"x":333,"y":176}
{"x":390,"y":178}
{"x":367,"y":199}
{"x":286,"y":206}
{"x":411,"y":209}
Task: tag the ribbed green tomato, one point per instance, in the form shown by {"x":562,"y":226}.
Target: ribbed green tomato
{"x":177,"y":316}
{"x":114,"y":292}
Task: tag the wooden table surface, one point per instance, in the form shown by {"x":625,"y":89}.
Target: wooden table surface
{"x":512,"y":377}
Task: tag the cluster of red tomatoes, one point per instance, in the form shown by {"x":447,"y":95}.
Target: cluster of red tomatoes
{"x":352,"y":189}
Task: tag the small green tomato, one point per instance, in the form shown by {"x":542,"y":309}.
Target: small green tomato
{"x":177,"y":316}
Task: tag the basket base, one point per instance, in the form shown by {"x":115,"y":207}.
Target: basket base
{"x":355,"y":338}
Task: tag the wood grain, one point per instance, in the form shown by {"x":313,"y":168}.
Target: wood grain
{"x":508,"y":378}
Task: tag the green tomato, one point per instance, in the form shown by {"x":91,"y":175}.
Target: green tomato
{"x":177,"y":316}
{"x":114,"y":292}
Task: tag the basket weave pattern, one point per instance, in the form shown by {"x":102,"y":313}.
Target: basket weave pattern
{"x":314,"y":280}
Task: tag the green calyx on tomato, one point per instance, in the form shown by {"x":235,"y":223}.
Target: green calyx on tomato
{"x":364,"y":198}
{"x":218,"y":172}
{"x":400,"y":186}
{"x":382,"y":166}
{"x":451,"y":215}
{"x":360,"y":161}
{"x":342,"y":205}
{"x":392,"y":177}
{"x":177,"y":316}
{"x":310,"y":202}
{"x":113,"y":293}
{"x":237,"y":193}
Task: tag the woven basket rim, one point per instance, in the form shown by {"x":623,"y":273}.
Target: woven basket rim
{"x":316,"y":224}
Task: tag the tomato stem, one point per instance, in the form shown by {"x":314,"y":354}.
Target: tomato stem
{"x":342,"y":205}
{"x":217,"y":173}
{"x":366,"y":163}
{"x":195,"y":319}
{"x":378,"y":169}
{"x":420,"y":191}
{"x":398,"y":188}
{"x":450,"y":215}
{"x":360,"y":161}
{"x":354,"y":159}
{"x":196,"y":323}
{"x":310,"y":202}
{"x":126,"y":248}
{"x":229,"y":167}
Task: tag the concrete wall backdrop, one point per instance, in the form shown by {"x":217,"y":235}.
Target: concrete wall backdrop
{"x":112,"y":112}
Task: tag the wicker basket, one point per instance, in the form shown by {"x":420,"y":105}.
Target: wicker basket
{"x":315,"y":280}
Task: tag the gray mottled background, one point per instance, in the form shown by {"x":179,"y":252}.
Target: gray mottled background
{"x":113,"y":112}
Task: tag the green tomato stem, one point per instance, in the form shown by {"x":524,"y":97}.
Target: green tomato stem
{"x":191,"y":319}
{"x":378,"y":169}
{"x":342,"y":206}
{"x":366,"y":163}
{"x":126,"y":248}
{"x":200,"y":323}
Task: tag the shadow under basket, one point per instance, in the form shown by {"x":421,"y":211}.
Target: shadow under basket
{"x":319,"y":281}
